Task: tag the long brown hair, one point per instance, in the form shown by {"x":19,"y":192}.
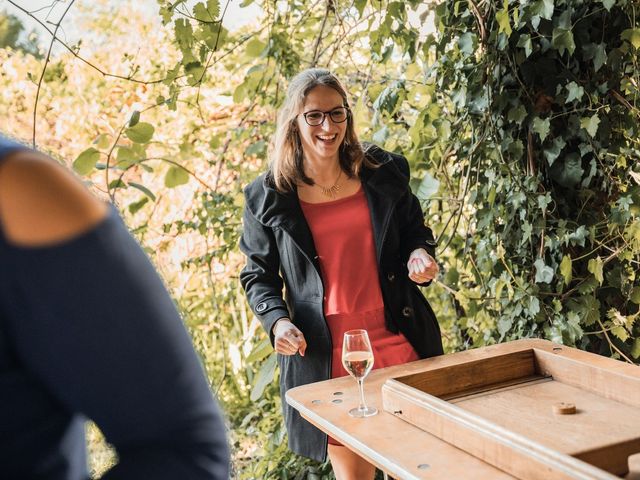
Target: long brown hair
{"x":286,"y":154}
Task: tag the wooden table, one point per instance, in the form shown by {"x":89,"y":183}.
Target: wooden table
{"x":391,"y":444}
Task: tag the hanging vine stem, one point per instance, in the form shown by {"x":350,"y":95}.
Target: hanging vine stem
{"x":466,"y":189}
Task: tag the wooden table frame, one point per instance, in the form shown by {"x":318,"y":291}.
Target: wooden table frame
{"x":391,"y":444}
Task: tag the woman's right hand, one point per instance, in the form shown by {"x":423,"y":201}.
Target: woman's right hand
{"x":288,"y":339}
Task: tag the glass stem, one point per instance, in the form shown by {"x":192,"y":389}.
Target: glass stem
{"x":362,"y":405}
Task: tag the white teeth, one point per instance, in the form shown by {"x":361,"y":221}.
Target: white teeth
{"x":327,"y":137}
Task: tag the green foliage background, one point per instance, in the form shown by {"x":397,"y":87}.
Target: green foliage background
{"x":519,"y":118}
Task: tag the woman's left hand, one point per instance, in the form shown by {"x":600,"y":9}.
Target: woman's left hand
{"x":422,"y":266}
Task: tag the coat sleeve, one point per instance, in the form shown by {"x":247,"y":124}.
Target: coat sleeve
{"x":96,"y":326}
{"x":413,"y":231}
{"x":260,"y":277}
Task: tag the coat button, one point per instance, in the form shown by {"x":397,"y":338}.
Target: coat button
{"x":261,"y":307}
{"x":407,"y":311}
{"x":391,"y":276}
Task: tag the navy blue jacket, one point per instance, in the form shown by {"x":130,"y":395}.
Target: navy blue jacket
{"x":87,"y":330}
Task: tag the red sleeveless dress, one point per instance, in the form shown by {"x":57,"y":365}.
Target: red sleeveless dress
{"x":343,"y":237}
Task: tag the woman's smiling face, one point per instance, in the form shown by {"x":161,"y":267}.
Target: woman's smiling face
{"x":324,"y":140}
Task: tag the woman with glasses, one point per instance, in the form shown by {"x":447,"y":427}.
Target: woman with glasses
{"x":337,"y":226}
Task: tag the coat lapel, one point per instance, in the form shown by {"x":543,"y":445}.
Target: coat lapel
{"x":382,"y":195}
{"x":295,"y":224}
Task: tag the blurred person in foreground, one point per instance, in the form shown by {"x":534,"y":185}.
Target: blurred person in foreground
{"x":88,"y":330}
{"x":336,"y":224}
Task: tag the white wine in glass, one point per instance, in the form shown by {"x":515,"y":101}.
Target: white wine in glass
{"x":357,"y":358}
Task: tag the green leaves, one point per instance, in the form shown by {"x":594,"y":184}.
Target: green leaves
{"x":265,"y":376}
{"x":517,"y":114}
{"x":208,"y":12}
{"x":502,"y":16}
{"x":632,"y":35}
{"x":608,"y":4}
{"x":524,"y":41}
{"x":135,"y":118}
{"x":261,"y":350}
{"x":140,"y":133}
{"x":543,"y":8}
{"x":597,"y":53}
{"x":566,"y":269}
{"x":86,"y":161}
{"x":255,"y":47}
{"x":388,"y":100}
{"x":465,"y":43}
{"x":544,"y":273}
{"x":590,"y":124}
{"x":428,"y":187}
{"x":595,"y":267}
{"x":175,"y":177}
{"x":541,"y":127}
{"x":562,"y":40}
{"x":553,"y":151}
{"x":575,"y":92}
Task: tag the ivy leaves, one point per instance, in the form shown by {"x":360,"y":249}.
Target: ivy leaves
{"x":563,"y":108}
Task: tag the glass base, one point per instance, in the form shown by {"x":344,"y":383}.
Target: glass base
{"x":363,"y":412}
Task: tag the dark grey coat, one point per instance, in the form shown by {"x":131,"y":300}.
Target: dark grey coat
{"x":280,"y":252}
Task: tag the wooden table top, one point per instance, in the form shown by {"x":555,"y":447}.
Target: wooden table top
{"x":391,"y":444}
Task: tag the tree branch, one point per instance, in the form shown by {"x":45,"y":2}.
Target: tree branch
{"x":44,"y":69}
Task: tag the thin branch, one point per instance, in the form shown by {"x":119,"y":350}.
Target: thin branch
{"x":611,"y":344}
{"x":113,"y":75}
{"x":314,"y":59}
{"x":213,"y":50}
{"x":44,"y":69}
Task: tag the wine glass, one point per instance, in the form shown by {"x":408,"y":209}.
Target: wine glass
{"x":357,"y":358}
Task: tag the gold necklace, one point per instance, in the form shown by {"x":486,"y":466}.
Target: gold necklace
{"x":332,"y":191}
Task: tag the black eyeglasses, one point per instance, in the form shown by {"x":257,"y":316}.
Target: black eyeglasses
{"x":316,"y":117}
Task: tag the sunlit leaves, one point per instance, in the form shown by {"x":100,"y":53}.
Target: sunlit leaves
{"x":136,"y":206}
{"x":255,"y":47}
{"x":595,"y":266}
{"x":208,"y":12}
{"x":140,"y":133}
{"x":502,"y":16}
{"x":143,"y":189}
{"x":86,"y":161}
{"x":632,"y":35}
{"x":590,"y":124}
{"x":264,"y":377}
{"x":428,"y":187}
{"x":175,"y":177}
{"x":261,"y":350}
{"x":566,"y":269}
{"x":388,"y":100}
